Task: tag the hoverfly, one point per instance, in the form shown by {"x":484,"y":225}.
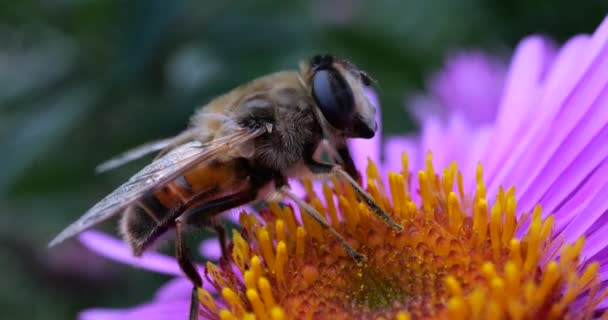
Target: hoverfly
{"x":240,"y":148}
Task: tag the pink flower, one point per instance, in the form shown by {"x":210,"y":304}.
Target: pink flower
{"x":541,"y":127}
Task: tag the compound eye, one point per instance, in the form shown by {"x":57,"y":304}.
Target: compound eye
{"x":334,"y":97}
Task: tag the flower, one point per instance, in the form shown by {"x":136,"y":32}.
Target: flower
{"x":446,"y":264}
{"x":470,"y":84}
{"x":521,"y":236}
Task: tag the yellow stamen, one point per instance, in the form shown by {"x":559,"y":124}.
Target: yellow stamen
{"x":425,"y":192}
{"x":311,"y":226}
{"x":215,"y":273}
{"x":290,"y":221}
{"x":233,"y":300}
{"x":266,"y":292}
{"x":449,"y":175}
{"x":533,"y":240}
{"x":266,"y":245}
{"x":495,"y":224}
{"x":331,"y":207}
{"x":455,"y":216}
{"x":280,"y":261}
{"x":509,"y":226}
{"x":240,"y":253}
{"x":396,"y":186}
{"x":453,"y":286}
{"x":276,"y":209}
{"x":351,"y":214}
{"x":250,"y":280}
{"x":403,"y":315}
{"x":480,"y":224}
{"x":310,"y":192}
{"x":372,"y":170}
{"x":457,"y":308}
{"x":512,"y":277}
{"x":337,"y":185}
{"x":300,"y":238}
{"x":515,"y":253}
{"x":317,"y":229}
{"x":279,"y":227}
{"x":404,"y":164}
{"x":205,"y":298}
{"x":477,"y":300}
{"x":256,"y":268}
{"x":460,"y":186}
{"x":276,"y":313}
{"x":463,"y":258}
{"x":256,"y":304}
{"x":227,"y":315}
{"x":373,"y":191}
{"x":550,"y":277}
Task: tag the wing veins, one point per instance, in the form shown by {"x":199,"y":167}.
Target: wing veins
{"x":155,"y":175}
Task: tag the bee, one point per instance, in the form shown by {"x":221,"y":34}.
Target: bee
{"x":243,"y":147}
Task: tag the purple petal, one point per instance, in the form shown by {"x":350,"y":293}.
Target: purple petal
{"x":431,"y":137}
{"x":151,"y":311}
{"x":603,"y":305}
{"x":210,"y":249}
{"x":475,"y":145}
{"x":582,"y":116}
{"x":558,"y":84}
{"x":567,"y":180}
{"x":471,"y":83}
{"x":297,"y":188}
{"x":175,"y":290}
{"x":586,"y":207}
{"x":394,"y":147}
{"x":116,"y":250}
{"x":424,"y":106}
{"x":527,"y":70}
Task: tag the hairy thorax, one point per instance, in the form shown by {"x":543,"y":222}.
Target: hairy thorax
{"x":295,"y":134}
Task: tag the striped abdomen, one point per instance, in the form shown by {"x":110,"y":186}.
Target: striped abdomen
{"x":155,"y":213}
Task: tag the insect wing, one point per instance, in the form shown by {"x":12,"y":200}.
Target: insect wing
{"x":143,"y":150}
{"x":164,"y":170}
{"x":133,"y":154}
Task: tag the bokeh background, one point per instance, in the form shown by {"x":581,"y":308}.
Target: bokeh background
{"x":83,"y":80}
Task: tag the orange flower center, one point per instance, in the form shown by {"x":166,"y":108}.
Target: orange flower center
{"x":457,"y":258}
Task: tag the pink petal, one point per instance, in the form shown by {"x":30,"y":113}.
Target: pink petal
{"x":471,"y":83}
{"x":566,"y":180}
{"x":586,"y":211}
{"x":210,"y":248}
{"x":116,"y":250}
{"x":393,"y":148}
{"x":532,"y":58}
{"x":178,"y":289}
{"x":582,"y":116}
{"x":151,"y":311}
{"x":559,"y":84}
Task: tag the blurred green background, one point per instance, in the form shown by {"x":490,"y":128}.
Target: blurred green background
{"x":83,"y":80}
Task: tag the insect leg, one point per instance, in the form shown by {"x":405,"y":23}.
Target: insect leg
{"x":185,"y":263}
{"x":200,"y":214}
{"x":348,"y":164}
{"x":168,"y":220}
{"x":221,"y":235}
{"x":322,"y":168}
{"x":358,"y":257}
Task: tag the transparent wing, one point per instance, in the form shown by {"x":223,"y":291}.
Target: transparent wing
{"x":164,"y":170}
{"x":143,"y":150}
